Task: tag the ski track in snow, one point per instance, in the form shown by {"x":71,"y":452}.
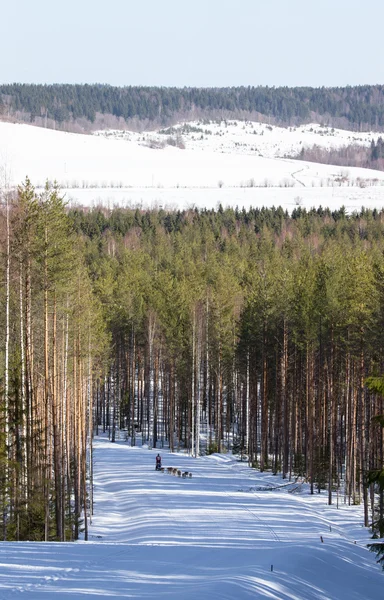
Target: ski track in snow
{"x":214,"y":536}
{"x":293,"y":175}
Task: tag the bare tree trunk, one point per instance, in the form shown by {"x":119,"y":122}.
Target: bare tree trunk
{"x":82,"y":456}
{"x":264,"y":406}
{"x":362,"y":429}
{"x":310,"y":409}
{"x":76,"y":441}
{"x":64,"y":419}
{"x":46,"y":393}
{"x":198,"y":390}
{"x":347,"y":472}
{"x":207,"y":378}
{"x":155,"y":399}
{"x":24,"y":475}
{"x":172,"y":407}
{"x":150,"y":379}
{"x":219,"y":404}
{"x":330,"y":421}
{"x":29,"y":380}
{"x":284,"y":400}
{"x":56,"y":431}
{"x":193,"y":383}
{"x":247,"y":445}
{"x":6,"y":377}
{"x":354,"y":397}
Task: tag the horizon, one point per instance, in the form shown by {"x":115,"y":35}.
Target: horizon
{"x":208,"y":87}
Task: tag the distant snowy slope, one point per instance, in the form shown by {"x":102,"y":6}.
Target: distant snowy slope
{"x":219,"y":534}
{"x":136,"y":168}
{"x":247,"y":137}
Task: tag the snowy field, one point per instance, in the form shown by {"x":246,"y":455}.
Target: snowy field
{"x":218,"y":535}
{"x":232,"y":163}
{"x":246,"y":137}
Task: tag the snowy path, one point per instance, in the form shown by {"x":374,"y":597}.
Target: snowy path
{"x":213,"y":536}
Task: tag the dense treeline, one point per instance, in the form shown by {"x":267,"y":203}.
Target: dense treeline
{"x":353,"y":155}
{"x":52,"y":346}
{"x":248,"y":328}
{"x":251,"y":330}
{"x":360,"y":107}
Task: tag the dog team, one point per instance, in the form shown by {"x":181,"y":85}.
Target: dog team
{"x":171,"y":470}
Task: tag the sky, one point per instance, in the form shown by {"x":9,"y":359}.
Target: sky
{"x":203,"y":43}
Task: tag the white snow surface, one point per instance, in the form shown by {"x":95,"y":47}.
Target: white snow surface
{"x":217,"y":535}
{"x":234,"y":163}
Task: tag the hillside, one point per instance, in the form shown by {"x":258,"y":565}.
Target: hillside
{"x":88,"y":107}
{"x":201,"y":163}
{"x":218,"y":534}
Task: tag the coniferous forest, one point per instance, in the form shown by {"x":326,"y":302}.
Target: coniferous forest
{"x":244,"y":330}
{"x":64,"y":105}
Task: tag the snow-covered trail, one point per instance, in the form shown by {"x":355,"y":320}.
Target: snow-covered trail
{"x":215,"y":535}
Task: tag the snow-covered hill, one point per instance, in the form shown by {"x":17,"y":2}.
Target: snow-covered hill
{"x":232,"y":163}
{"x":228,"y":532}
{"x":246,"y":137}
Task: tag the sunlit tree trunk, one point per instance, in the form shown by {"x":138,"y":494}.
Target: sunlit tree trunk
{"x":264,"y":405}
{"x":330,"y":419}
{"x":6,"y":373}
{"x":193,"y":382}
{"x":47,"y":407}
{"x":284,"y":400}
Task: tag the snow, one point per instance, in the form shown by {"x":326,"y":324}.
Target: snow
{"x":179,"y":198}
{"x":247,"y":137}
{"x":235,"y":164}
{"x":217,"y":535}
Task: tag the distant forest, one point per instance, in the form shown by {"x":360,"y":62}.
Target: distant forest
{"x":86,"y":107}
{"x":353,"y":155}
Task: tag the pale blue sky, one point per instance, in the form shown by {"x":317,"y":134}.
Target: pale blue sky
{"x":192,"y":43}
